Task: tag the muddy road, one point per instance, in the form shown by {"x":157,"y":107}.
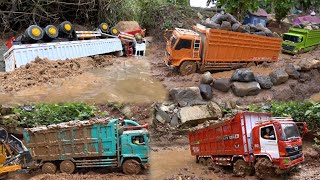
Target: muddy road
{"x":126,"y":80}
{"x":175,"y":162}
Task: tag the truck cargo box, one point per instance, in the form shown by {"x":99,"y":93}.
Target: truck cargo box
{"x":229,"y":137}
{"x":80,"y":140}
{"x":19,"y":55}
{"x":227,"y":46}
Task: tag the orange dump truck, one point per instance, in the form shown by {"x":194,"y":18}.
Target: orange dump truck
{"x":212,"y":49}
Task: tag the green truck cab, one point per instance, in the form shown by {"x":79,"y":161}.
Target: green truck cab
{"x":300,"y":40}
{"x":87,"y":144}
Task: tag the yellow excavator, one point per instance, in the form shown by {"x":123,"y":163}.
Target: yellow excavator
{"x":13,"y":154}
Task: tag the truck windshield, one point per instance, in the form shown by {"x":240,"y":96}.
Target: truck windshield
{"x":173,"y":41}
{"x":295,"y":39}
{"x":289,"y":131}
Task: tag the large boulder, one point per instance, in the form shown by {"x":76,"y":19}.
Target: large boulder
{"x":243,"y":75}
{"x":225,"y":25}
{"x":222,"y":84}
{"x":278,"y":76}
{"x":292,"y":71}
{"x":193,"y":115}
{"x":206,"y":91}
{"x":264,"y":82}
{"x":242,"y":89}
{"x":186,"y":96}
{"x":309,"y":64}
{"x":206,"y":78}
{"x":161,"y":116}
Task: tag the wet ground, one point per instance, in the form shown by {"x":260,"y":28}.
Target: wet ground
{"x":126,"y":80}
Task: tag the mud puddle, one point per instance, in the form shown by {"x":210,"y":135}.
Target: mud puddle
{"x":166,"y":163}
{"x":127,"y":80}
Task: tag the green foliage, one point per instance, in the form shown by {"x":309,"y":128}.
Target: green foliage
{"x":167,"y":24}
{"x":300,"y":111}
{"x":46,"y":114}
{"x":317,"y":142}
{"x":282,"y":8}
{"x":238,"y":8}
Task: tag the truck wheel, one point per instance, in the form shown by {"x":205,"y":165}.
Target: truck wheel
{"x":67,"y":166}
{"x":209,"y":162}
{"x":49,"y":168}
{"x":242,"y":168}
{"x":131,"y":167}
{"x":203,"y":161}
{"x":264,"y":168}
{"x":188,"y":67}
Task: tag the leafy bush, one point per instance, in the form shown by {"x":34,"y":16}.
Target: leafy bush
{"x":300,"y":111}
{"x":46,"y":114}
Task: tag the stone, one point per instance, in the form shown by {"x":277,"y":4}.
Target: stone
{"x":278,"y":76}
{"x":127,"y":112}
{"x":206,"y":91}
{"x":310,"y":152}
{"x":225,"y":25}
{"x":162,"y":116}
{"x":242,"y":89}
{"x":206,"y":78}
{"x":174,"y":120}
{"x":243,"y":75}
{"x":304,"y":77}
{"x":309,"y":64}
{"x":186,"y":96}
{"x":222,"y":84}
{"x":194,"y":115}
{"x":264,"y":82}
{"x":292,"y":71}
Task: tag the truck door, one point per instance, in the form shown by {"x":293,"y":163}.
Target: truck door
{"x":182,"y":49}
{"x":268,"y":141}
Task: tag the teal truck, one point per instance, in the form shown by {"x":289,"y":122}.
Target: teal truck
{"x":299,"y":40}
{"x":84,"y":144}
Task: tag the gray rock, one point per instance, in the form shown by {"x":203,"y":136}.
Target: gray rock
{"x":291,"y":71}
{"x":206,"y":91}
{"x":264,"y":82}
{"x":222,"y":84}
{"x":206,"y":78}
{"x":193,"y":115}
{"x":225,"y":25}
{"x":243,"y":75}
{"x":235,"y":27}
{"x":162,"y":116}
{"x":278,"y":76}
{"x":242,"y":89}
{"x":186,"y":96}
{"x":174,"y":120}
{"x":127,"y":112}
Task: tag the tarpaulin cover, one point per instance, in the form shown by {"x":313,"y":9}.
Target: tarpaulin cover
{"x":311,"y":19}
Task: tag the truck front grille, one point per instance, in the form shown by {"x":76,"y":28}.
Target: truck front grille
{"x":287,"y":47}
{"x":291,"y":151}
{"x":295,"y":156}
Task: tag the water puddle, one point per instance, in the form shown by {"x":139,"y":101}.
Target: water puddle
{"x":127,"y":80}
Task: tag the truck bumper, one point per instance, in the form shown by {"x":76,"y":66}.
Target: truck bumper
{"x":289,"y":52}
{"x":289,"y":162}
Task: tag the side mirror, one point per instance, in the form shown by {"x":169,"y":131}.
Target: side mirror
{"x":302,"y":127}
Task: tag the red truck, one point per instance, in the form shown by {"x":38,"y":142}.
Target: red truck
{"x":250,"y":142}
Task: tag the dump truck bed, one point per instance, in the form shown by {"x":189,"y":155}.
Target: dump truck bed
{"x":65,"y":141}
{"x":19,"y":55}
{"x":227,"y":46}
{"x":230,"y":137}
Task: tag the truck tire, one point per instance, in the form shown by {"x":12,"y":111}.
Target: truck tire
{"x":188,"y":67}
{"x":131,"y":167}
{"x":49,"y":168}
{"x":67,"y":167}
{"x":203,"y":161}
{"x":264,"y":168}
{"x":242,"y":168}
{"x":209,"y":162}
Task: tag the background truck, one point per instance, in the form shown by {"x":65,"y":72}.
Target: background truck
{"x":64,"y":42}
{"x":97,"y":143}
{"x":299,"y":40}
{"x":212,"y":49}
{"x":244,"y":143}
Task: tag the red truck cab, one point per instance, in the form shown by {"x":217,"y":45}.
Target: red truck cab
{"x":250,"y":141}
